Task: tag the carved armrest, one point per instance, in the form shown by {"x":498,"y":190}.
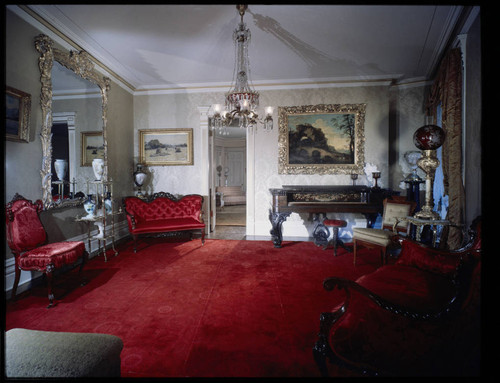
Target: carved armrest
{"x":347,"y":285}
{"x":132,"y":219}
{"x":331,"y":321}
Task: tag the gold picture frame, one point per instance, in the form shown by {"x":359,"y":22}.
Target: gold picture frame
{"x":321,"y":139}
{"x":92,"y":147}
{"x":166,"y":147}
{"x":17,"y":115}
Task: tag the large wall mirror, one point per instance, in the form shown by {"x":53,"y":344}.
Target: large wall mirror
{"x":74,"y":100}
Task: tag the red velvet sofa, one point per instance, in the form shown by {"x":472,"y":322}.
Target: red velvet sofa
{"x":162,"y":213}
{"x":419,"y":316}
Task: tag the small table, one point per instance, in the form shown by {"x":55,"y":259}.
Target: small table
{"x":104,"y":237}
{"x":420,"y":223}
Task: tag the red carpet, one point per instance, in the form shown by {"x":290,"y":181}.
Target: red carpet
{"x":228,"y":308}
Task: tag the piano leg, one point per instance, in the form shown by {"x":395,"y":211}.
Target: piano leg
{"x":321,"y":232}
{"x":277,"y":220}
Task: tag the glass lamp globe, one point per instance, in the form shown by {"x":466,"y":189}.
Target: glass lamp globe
{"x":429,"y":137}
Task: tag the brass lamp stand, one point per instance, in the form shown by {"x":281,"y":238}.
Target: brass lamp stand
{"x":428,"y":163}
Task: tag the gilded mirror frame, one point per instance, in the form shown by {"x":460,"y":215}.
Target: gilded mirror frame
{"x":81,"y":64}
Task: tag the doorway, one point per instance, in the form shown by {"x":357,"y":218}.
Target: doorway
{"x":229,"y":175}
{"x":60,"y":150}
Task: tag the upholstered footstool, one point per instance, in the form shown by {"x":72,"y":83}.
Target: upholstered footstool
{"x":44,"y":354}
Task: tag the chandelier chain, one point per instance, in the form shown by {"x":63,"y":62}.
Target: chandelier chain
{"x":241,"y":100}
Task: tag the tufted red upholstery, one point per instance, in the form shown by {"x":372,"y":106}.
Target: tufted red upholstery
{"x":335,"y":222}
{"x":24,"y":229}
{"x":26,"y":238}
{"x":163,"y":208}
{"x":57,"y":254}
{"x":163,"y":214}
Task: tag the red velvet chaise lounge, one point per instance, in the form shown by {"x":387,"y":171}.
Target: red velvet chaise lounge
{"x":162,"y":213}
{"x":419,"y":316}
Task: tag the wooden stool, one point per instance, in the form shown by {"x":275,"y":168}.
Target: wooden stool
{"x":336,"y":224}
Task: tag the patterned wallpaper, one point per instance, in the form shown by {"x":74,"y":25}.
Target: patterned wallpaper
{"x":182,"y":111}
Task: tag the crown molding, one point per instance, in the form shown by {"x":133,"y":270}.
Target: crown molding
{"x":444,"y":38}
{"x":270,"y":85}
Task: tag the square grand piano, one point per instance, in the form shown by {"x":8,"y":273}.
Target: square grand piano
{"x":322,"y":199}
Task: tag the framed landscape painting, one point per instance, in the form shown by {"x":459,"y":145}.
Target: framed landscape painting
{"x":92,"y":147}
{"x":321,"y":139}
{"x":17,"y":114}
{"x":166,"y":147}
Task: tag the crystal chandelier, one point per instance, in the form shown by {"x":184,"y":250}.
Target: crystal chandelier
{"x":242,"y":100}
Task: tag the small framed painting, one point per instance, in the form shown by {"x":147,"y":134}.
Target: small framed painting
{"x":17,"y":114}
{"x":92,"y":147}
{"x":321,"y":139}
{"x":166,"y":147}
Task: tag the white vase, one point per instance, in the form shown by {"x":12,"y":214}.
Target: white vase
{"x":61,"y":167}
{"x":98,"y":167}
{"x":89,"y":206}
{"x":139,"y":178}
{"x":108,"y":204}
{"x":100,"y":226}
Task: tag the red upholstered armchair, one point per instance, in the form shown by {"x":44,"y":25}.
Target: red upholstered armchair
{"x":26,"y":238}
{"x":417,"y":317}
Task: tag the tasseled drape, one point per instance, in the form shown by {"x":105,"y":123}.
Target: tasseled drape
{"x":447,"y":90}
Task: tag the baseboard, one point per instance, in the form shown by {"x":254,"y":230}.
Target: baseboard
{"x":29,"y":279}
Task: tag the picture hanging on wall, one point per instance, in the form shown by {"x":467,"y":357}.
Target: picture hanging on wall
{"x":17,"y":115}
{"x":321,"y":139}
{"x":92,"y":147}
{"x":166,"y":147}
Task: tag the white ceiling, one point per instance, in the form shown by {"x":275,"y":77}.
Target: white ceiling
{"x":169,"y":46}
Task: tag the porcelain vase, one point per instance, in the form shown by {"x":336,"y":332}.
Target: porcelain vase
{"x":89,"y":206}
{"x":100,"y":226}
{"x":108,"y":203}
{"x":98,"y":167}
{"x":139,"y":178}
{"x":61,"y":167}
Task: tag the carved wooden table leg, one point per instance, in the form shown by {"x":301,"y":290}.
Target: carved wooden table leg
{"x":277,"y":220}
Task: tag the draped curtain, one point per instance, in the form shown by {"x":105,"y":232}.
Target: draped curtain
{"x":447,"y":90}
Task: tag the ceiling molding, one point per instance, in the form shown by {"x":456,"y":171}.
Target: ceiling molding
{"x":444,"y":38}
{"x":362,"y":81}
